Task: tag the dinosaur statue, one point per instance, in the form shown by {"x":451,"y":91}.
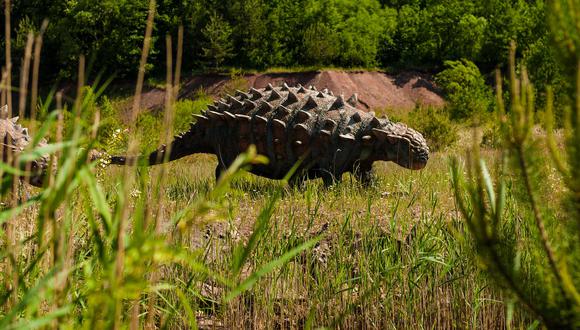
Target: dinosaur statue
{"x":15,"y":138}
{"x":327,"y":133}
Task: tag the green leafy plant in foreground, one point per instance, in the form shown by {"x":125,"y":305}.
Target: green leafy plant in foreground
{"x":525,"y":239}
{"x":77,"y":279}
{"x":75,"y":255}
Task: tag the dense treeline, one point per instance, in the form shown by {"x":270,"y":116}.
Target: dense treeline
{"x":258,"y":34}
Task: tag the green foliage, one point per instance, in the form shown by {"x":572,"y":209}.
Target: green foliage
{"x":539,"y":268}
{"x":439,"y":32}
{"x":259,"y":34}
{"x":469,"y":42}
{"x":218,"y":43}
{"x":320,"y":44}
{"x":346,"y":33}
{"x":547,"y":70}
{"x":435,"y":126}
{"x":110,"y":33}
{"x":491,"y":135}
{"x":110,"y":126}
{"x":466,"y":91}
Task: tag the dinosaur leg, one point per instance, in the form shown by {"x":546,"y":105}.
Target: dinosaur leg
{"x":366,"y":178}
{"x":297,"y":180}
{"x":330,"y":179}
{"x":365,"y":174}
{"x":219,"y":169}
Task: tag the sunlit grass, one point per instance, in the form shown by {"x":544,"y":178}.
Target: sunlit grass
{"x":169,"y":247}
{"x":393,"y":255}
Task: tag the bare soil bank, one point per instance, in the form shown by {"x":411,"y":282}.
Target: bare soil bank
{"x":376,"y":90}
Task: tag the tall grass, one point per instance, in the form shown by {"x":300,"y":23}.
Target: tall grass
{"x":168,"y":247}
{"x":74,"y":254}
{"x":532,"y":253}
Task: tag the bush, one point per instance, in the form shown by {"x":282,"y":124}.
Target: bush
{"x":237,"y":81}
{"x":491,"y":136}
{"x":435,"y":126}
{"x":465,"y":88}
{"x":218,"y":45}
{"x":185,"y":109}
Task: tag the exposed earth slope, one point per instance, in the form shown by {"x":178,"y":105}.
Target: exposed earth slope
{"x":376,"y":90}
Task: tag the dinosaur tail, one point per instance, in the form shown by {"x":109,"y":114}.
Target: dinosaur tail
{"x":181,"y":146}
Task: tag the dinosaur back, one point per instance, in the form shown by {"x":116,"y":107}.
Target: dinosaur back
{"x":287,"y":124}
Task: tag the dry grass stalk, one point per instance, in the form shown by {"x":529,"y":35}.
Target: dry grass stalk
{"x":130,"y":169}
{"x":35,"y":74}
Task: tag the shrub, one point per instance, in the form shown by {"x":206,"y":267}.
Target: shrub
{"x":184,"y":110}
{"x":237,"y":81}
{"x":491,"y":137}
{"x":110,"y":125}
{"x":218,"y":46}
{"x":465,"y":88}
{"x":435,"y":126}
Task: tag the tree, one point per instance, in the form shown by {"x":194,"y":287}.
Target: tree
{"x":466,"y":90}
{"x":252,"y":32}
{"x":218,"y":42}
{"x":320,"y":44}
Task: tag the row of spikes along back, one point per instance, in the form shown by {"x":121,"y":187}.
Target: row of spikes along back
{"x":295,"y":113}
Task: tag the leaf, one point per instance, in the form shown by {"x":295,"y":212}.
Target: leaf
{"x":48,"y":149}
{"x":255,"y":276}
{"x":488,"y":184}
{"x":7,"y":169}
{"x":97,"y":196}
{"x":47,"y":124}
{"x":42,"y":321}
{"x":188,"y":310}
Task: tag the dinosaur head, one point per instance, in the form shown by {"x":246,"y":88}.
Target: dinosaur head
{"x":402,"y":145}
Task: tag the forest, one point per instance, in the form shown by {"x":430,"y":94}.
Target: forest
{"x":258,"y":34}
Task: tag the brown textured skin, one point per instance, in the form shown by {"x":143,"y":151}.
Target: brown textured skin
{"x":290,"y":124}
{"x":15,"y":139}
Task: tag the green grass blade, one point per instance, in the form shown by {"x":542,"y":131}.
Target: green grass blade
{"x":48,"y":149}
{"x":488,"y":184}
{"x":242,"y":253}
{"x":97,"y":196}
{"x":255,"y":276}
{"x":28,"y":299}
{"x":45,"y":128}
{"x":42,"y":321}
{"x":188,"y":310}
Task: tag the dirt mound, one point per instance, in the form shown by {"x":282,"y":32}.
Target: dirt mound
{"x":376,"y":90}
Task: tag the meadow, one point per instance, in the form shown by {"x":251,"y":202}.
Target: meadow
{"x":484,"y":237}
{"x":255,"y":253}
